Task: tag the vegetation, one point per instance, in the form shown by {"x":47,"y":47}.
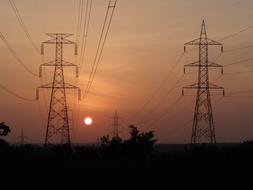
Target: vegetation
{"x":4,"y":129}
{"x":139,"y":144}
{"x":134,"y":162}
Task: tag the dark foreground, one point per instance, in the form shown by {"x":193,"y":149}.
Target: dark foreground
{"x":80,"y":167}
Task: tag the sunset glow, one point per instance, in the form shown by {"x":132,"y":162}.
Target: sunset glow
{"x":141,"y":69}
{"x":118,"y":92}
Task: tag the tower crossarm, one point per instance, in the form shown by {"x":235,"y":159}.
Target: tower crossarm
{"x":53,"y":41}
{"x":196,"y":86}
{"x":66,"y":86}
{"x":63,"y":35}
{"x":63,"y":63}
{"x":207,"y":87}
{"x":58,"y":38}
{"x":199,"y":41}
{"x":198,"y":64}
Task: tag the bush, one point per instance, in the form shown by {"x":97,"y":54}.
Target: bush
{"x":139,"y":144}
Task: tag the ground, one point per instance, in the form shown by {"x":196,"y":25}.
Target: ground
{"x":62,"y":167}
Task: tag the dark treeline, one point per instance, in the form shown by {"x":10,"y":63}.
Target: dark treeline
{"x":134,"y":163}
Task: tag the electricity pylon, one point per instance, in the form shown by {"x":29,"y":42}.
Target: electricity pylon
{"x":58,"y":121}
{"x":203,"y":124}
{"x":116,"y":124}
{"x":22,"y":138}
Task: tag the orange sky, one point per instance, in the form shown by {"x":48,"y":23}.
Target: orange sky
{"x":145,"y":41}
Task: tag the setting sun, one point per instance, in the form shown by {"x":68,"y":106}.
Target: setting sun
{"x":88,"y":121}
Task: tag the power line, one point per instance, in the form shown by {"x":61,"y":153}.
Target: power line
{"x":240,"y":92}
{"x":218,"y":100}
{"x":41,"y":114}
{"x":236,"y":73}
{"x":189,"y":121}
{"x":102,"y":40}
{"x":78,"y":31}
{"x":97,"y":51}
{"x":83,"y":45}
{"x":237,"y":49}
{"x":233,"y":63}
{"x":184,"y":125}
{"x":238,"y":62}
{"x":44,"y":99}
{"x":155,"y":92}
{"x":15,"y":94}
{"x":239,"y":96}
{"x":79,"y":20}
{"x":236,"y":33}
{"x":85,"y":31}
{"x":23,"y":26}
{"x":84,"y":26}
{"x":162,"y":99}
{"x":15,"y":55}
{"x":100,"y":47}
{"x":171,"y":106}
{"x":232,"y":50}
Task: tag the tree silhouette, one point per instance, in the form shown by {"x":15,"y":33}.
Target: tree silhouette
{"x":138,"y":144}
{"x":4,"y":129}
{"x":111,"y":147}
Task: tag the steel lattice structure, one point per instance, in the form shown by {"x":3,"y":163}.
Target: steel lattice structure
{"x":116,"y":124}
{"x":58,"y":121}
{"x":203,"y":129}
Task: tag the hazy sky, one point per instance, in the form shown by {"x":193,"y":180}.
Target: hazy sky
{"x":145,"y":41}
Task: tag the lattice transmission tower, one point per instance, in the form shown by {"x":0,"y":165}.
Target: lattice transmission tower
{"x":203,"y":130}
{"x":22,"y":138}
{"x":116,"y":124}
{"x":58,"y":129}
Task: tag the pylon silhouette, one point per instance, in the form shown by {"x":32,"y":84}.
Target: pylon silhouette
{"x":116,"y":124}
{"x":203,"y":130}
{"x":58,"y":121}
